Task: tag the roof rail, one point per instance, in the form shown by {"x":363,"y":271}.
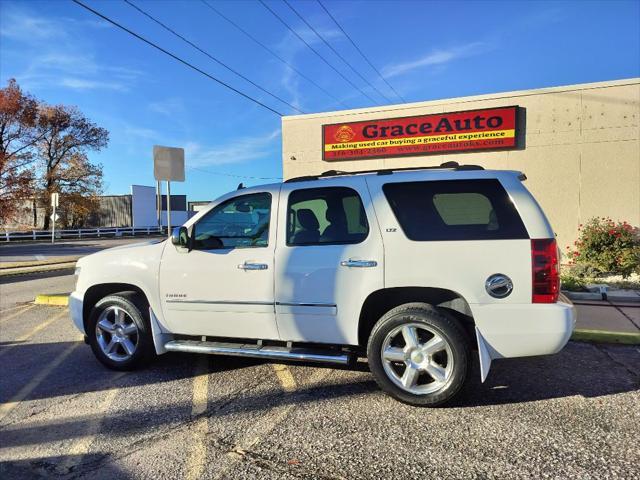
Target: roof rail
{"x":385,"y":171}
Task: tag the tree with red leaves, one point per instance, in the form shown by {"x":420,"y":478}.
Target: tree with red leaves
{"x":19,"y":135}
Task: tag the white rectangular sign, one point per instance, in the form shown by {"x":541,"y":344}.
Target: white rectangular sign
{"x":54,"y":199}
{"x":168,"y":163}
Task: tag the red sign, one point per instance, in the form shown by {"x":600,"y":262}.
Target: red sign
{"x":489,"y":129}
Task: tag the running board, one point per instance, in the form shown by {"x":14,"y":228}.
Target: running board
{"x":256,"y":351}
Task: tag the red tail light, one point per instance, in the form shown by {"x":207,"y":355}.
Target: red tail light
{"x":546,"y":275}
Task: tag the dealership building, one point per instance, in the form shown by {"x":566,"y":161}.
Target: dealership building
{"x":578,"y":145}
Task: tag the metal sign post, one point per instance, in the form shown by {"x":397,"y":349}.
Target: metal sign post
{"x":169,"y":207}
{"x":54,"y":203}
{"x":168,"y":165}
{"x":159,"y":204}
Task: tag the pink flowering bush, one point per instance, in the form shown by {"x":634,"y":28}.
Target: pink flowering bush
{"x":606,"y":247}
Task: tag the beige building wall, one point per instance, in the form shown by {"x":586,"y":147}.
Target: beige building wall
{"x":581,"y":153}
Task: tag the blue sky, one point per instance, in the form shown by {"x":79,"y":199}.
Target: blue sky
{"x":426,"y":50}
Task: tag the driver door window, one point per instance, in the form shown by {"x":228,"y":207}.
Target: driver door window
{"x":241,"y":222}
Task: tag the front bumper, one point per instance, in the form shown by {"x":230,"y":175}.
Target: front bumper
{"x":75,"y":309}
{"x":521,"y":330}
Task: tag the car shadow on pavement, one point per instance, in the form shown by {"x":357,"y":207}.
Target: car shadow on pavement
{"x":81,"y":373}
{"x":581,"y":369}
{"x":60,"y":467}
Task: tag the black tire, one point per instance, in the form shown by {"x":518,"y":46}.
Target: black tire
{"x":137,"y":309}
{"x":435,"y":320}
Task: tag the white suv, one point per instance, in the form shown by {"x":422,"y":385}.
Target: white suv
{"x":416,"y":269}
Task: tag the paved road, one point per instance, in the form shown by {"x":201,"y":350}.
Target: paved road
{"x":16,"y":252}
{"x":187,"y":416}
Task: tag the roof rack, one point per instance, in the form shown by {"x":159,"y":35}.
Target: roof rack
{"x":384,"y":171}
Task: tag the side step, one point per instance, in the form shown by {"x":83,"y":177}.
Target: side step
{"x":257,"y":351}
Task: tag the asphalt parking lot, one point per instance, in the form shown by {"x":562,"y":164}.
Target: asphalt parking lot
{"x":63,"y":415}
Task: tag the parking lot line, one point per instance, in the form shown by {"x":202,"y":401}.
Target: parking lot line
{"x":198,"y":454}
{"x":16,"y":314}
{"x":286,"y":378}
{"x":266,"y":424}
{"x":81,"y":447}
{"x":6,"y":408}
{"x":33,"y":331}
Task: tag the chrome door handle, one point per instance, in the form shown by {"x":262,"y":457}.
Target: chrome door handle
{"x":359,"y":263}
{"x":253,"y":266}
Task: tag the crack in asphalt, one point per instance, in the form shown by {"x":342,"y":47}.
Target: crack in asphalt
{"x":167,"y":431}
{"x":633,"y":373}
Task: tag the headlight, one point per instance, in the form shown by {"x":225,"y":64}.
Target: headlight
{"x":77,"y":270}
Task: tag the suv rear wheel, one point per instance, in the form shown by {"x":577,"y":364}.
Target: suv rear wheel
{"x":119,"y":331}
{"x":419,"y":355}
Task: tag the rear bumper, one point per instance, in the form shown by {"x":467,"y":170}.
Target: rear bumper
{"x":75,"y":309}
{"x":523,"y":330}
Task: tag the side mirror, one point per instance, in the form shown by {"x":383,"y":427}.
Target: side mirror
{"x":180,"y":237}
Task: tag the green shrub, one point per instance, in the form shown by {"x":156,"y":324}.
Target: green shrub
{"x":572,"y":283}
{"x":606,"y":247}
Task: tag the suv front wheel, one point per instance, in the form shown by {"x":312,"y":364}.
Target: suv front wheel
{"x":119,"y":331}
{"x":419,"y":355}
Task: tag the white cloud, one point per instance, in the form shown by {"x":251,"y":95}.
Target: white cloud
{"x":436,"y":57}
{"x":168,"y":107}
{"x":55,"y":57}
{"x":83,"y":84}
{"x":238,"y":150}
{"x":290,"y":47}
{"x":28,"y":28}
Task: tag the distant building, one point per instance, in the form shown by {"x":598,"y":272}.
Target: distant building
{"x":137,"y":209}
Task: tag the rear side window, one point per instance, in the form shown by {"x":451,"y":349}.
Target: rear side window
{"x":326,"y":216}
{"x":455,"y":210}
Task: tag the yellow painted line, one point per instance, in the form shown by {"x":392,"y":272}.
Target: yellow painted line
{"x":16,"y":314}
{"x":33,"y":331}
{"x":262,"y":427}
{"x":81,"y":446}
{"x":6,"y":408}
{"x":57,"y":300}
{"x":198,"y":454}
{"x":286,"y":378}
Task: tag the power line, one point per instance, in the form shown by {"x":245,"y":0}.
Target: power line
{"x":344,"y":60}
{"x":272,"y":52}
{"x":315,"y":51}
{"x":233,"y":175}
{"x":219,"y":62}
{"x":184,"y":62}
{"x":360,"y":51}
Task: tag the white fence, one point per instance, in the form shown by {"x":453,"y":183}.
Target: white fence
{"x":81,"y":233}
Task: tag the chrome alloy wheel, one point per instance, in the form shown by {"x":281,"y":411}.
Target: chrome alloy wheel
{"x":417,"y":358}
{"x":117,"y":334}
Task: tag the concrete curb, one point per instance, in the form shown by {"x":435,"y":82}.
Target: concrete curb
{"x":598,"y":296}
{"x":57,"y":300}
{"x":8,"y":272}
{"x":604,"y":336}
{"x":39,"y":263}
